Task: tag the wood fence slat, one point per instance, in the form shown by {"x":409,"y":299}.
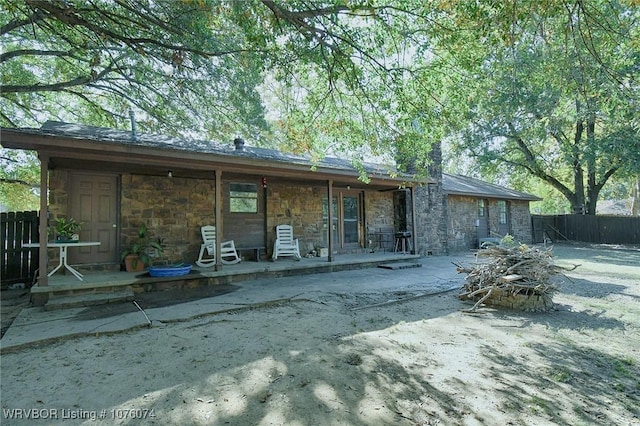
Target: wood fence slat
{"x":587,"y":228}
{"x":18,"y":264}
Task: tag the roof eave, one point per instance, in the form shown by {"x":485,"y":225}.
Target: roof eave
{"x":78,"y":148}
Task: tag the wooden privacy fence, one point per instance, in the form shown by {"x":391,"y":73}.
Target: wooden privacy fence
{"x":587,"y":228}
{"x":18,"y":264}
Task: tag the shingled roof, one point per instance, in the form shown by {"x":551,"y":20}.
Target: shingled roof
{"x":122,"y":137}
{"x":463,"y":185}
{"x":166,"y":145}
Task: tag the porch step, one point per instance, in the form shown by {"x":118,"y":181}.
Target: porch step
{"x":400,"y":265}
{"x":88,"y":299}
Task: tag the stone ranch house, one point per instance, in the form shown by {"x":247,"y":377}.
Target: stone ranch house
{"x":113,"y":180}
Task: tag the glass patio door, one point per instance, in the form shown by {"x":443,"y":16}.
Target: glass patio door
{"x":350,"y":221}
{"x":347,"y":215}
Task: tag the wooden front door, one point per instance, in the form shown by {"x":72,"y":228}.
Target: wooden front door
{"x":93,"y":201}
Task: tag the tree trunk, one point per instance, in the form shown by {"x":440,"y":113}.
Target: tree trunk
{"x":635,"y":207}
{"x":578,"y":173}
{"x":593,"y":192}
{"x":593,"y":188}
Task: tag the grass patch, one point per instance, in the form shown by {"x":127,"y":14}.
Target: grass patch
{"x":560,"y":375}
{"x":621,"y":367}
{"x":539,"y":404}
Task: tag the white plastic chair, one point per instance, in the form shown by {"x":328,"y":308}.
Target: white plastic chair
{"x":228,"y":253}
{"x":285,"y":245}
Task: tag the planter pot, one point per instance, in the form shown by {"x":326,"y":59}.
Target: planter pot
{"x":129,"y":262}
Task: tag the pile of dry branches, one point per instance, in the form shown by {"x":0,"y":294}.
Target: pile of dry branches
{"x":515,"y":276}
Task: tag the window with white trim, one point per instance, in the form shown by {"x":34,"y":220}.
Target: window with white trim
{"x":502,"y":212}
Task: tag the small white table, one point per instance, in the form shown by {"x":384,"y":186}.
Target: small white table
{"x":63,"y":253}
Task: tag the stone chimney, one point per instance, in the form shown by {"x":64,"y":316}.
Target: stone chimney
{"x":239,"y":143}
{"x":435,"y":165}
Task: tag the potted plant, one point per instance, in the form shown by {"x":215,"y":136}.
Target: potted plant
{"x":67,"y":229}
{"x":142,"y":251}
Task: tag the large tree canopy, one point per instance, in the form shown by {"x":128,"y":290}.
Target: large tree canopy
{"x":194,"y":67}
{"x":189,"y":66}
{"x":545,"y":87}
{"x":555,"y":95}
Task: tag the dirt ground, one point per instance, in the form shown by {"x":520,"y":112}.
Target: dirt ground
{"x":351,"y":359}
{"x":11,"y":303}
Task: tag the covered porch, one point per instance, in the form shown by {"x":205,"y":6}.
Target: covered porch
{"x":112,"y":181}
{"x":64,"y":290}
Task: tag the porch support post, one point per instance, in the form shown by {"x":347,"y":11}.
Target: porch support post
{"x":218,"y":218}
{"x":330,"y":219}
{"x":43,"y":278}
{"x":413,"y":221}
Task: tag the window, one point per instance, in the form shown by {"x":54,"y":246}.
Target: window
{"x":502,"y":212}
{"x":481,"y":208}
{"x":243,"y":198}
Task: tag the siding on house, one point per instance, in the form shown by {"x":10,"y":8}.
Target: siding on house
{"x":462,"y":231}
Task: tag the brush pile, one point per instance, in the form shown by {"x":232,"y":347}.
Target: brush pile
{"x":513,"y":276}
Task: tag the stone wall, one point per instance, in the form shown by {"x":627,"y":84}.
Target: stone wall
{"x":299,"y":206}
{"x":521,"y":221}
{"x":461,"y":229}
{"x":173,"y":209}
{"x":463,"y":213}
{"x":378,"y":209}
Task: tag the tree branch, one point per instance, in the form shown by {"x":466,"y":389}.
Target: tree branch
{"x":70,"y":16}
{"x":19,"y":182}
{"x":5,"y":56}
{"x":12,"y":25}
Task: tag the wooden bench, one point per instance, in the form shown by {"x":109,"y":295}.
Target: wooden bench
{"x":256,"y":251}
